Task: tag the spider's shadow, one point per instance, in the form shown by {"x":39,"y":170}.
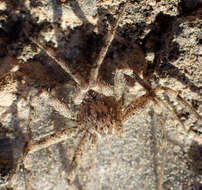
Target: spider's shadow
{"x":162,"y":33}
{"x":12,"y":148}
{"x":195,"y":163}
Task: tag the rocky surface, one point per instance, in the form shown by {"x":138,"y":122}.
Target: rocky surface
{"x":161,"y":40}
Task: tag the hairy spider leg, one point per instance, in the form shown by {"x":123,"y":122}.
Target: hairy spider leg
{"x":59,"y":106}
{"x":50,"y":140}
{"x":108,"y":41}
{"x":163,"y":88}
{"x":153,"y":92}
{"x":76,"y":158}
{"x":151,"y":95}
{"x":95,"y":71}
{"x":51,"y":53}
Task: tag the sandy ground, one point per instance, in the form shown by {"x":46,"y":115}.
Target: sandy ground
{"x":161,"y":40}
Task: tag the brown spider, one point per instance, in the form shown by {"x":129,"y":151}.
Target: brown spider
{"x":104,"y":114}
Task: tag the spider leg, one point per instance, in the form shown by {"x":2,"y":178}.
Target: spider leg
{"x":94,"y":137}
{"x":76,"y":158}
{"x":59,"y":106}
{"x":109,"y":38}
{"x":190,"y":134}
{"x":152,"y":96}
{"x":149,"y":89}
{"x":94,"y":71}
{"x":50,"y":140}
{"x":143,"y":83}
{"x":103,"y":88}
{"x":171,"y":110}
{"x":50,"y":52}
{"x":153,"y":92}
{"x":163,"y":88}
{"x":136,"y":105}
{"x":120,"y":81}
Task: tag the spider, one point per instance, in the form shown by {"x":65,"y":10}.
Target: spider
{"x":104,"y":114}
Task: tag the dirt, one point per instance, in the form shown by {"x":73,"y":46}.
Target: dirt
{"x":160,"y":40}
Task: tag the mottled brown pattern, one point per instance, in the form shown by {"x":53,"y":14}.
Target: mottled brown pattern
{"x":101,"y":115}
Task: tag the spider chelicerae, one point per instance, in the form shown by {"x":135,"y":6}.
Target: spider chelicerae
{"x":105,"y":113}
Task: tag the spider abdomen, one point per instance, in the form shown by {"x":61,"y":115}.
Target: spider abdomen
{"x":102,"y":115}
